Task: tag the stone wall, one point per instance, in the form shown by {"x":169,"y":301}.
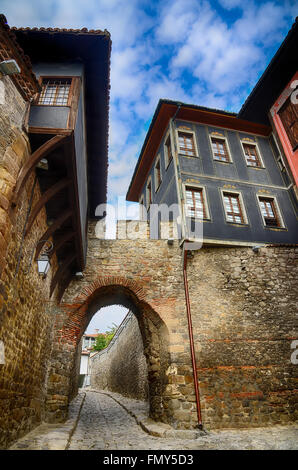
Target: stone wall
{"x":243,"y":306}
{"x":122,"y":367}
{"x":25,"y":319}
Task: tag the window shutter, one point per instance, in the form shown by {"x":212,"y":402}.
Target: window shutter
{"x":289,"y":118}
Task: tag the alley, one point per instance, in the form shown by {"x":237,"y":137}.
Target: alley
{"x":101,"y":421}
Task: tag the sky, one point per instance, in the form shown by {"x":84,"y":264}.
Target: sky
{"x":208,"y":53}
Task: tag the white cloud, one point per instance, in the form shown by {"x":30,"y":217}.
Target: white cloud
{"x":182,"y":50}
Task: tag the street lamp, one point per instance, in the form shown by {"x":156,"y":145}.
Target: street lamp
{"x":43,"y":260}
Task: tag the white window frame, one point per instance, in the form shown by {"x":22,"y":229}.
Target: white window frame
{"x":186,"y":131}
{"x":219,"y":137}
{"x":249,"y":142}
{"x":280,"y":218}
{"x":241,"y":202}
{"x":166,"y":158}
{"x":205,"y":200}
{"x":157,"y":186}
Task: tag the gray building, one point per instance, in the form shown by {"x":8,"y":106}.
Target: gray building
{"x":212,"y":168}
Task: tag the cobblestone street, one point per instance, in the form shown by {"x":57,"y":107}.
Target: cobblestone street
{"x":107,"y":421}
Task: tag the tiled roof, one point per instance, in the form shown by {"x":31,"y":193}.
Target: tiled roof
{"x":25,"y":81}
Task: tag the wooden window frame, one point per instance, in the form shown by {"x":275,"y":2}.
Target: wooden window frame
{"x":194,"y":146}
{"x":70,"y":93}
{"x":166,"y":149}
{"x":288,"y":131}
{"x":157,"y":174}
{"x":227,"y":149}
{"x":241,"y":206}
{"x":258,"y":154}
{"x":202,"y":190}
{"x":275,"y":210}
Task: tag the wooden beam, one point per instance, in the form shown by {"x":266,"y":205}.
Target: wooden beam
{"x":63,"y":286}
{"x":61,"y":270}
{"x":46,"y":196}
{"x":49,"y":232}
{"x":35,"y":158}
{"x":61,"y":241}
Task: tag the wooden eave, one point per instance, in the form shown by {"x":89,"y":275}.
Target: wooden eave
{"x":184,"y":113}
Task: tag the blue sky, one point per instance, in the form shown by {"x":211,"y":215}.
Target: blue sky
{"x":208,"y":53}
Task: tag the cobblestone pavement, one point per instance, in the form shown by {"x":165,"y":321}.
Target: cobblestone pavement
{"x":108,"y":421}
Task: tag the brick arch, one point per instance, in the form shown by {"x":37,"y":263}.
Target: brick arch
{"x":111,"y":290}
{"x":77,"y":317}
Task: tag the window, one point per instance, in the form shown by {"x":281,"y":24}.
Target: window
{"x":251,"y":155}
{"x":186,"y":143}
{"x":55,"y":91}
{"x":195,"y":203}
{"x":149,"y":194}
{"x":220,"y":150}
{"x":168,"y":151}
{"x":289,"y":118}
{"x":157,"y":174}
{"x":233,"y":208}
{"x":269,"y":211}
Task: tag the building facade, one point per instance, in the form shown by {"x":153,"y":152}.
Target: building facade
{"x":235,"y":175}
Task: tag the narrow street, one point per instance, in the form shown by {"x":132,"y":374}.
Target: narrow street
{"x":99,"y":422}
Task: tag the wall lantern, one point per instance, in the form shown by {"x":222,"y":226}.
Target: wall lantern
{"x":43,"y":260}
{"x":9,"y":67}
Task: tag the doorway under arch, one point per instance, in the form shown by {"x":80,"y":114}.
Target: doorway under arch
{"x":153,"y":330}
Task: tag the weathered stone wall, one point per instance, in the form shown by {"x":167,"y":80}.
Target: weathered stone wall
{"x":25,"y":320}
{"x":122,"y":367}
{"x":243,"y":308}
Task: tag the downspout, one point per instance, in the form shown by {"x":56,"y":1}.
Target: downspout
{"x":191,"y":342}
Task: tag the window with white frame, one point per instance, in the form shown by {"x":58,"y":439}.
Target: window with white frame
{"x":270,"y":212}
{"x":234,"y":208}
{"x":187,"y":144}
{"x":196,"y":205}
{"x":157,"y":174}
{"x":220,"y":149}
{"x":251,"y":154}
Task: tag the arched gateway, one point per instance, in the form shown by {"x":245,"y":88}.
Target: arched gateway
{"x":131,"y":273}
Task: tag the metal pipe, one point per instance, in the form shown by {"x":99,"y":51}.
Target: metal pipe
{"x":192,"y":349}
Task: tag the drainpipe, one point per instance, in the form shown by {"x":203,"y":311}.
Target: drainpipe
{"x":192,"y":349}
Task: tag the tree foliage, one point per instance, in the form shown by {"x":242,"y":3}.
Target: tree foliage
{"x":104,"y":339}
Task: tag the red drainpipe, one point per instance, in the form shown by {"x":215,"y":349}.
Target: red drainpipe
{"x":192,"y":349}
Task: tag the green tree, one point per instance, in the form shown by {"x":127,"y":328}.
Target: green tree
{"x":103,"y":339}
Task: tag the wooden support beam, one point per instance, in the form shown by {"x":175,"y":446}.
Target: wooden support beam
{"x":49,"y":232}
{"x":60,"y":242}
{"x":46,"y":196}
{"x":61,"y":270}
{"x":35,"y":158}
{"x":63,"y":286}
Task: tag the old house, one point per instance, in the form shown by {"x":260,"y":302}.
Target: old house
{"x":234,"y":173}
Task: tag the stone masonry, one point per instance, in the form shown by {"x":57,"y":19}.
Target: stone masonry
{"x":243,"y":306}
{"x":122,"y":367}
{"x":25,"y":321}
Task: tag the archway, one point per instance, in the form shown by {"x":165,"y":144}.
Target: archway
{"x":77,"y":316}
